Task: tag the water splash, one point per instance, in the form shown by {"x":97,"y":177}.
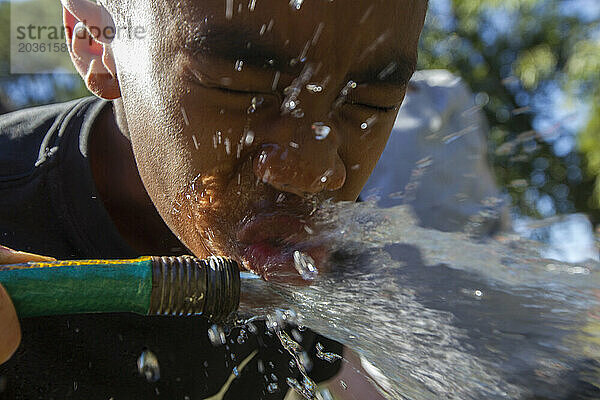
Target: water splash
{"x":443,"y":316}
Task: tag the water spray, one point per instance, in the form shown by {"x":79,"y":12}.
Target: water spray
{"x":177,"y":286}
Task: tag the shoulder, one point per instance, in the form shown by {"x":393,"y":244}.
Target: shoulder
{"x":26,"y":136}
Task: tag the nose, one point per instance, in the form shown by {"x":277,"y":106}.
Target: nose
{"x":307,"y":164}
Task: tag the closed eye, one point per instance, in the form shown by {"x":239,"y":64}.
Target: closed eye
{"x":382,"y":109}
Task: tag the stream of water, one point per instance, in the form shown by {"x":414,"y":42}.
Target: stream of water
{"x":443,"y":315}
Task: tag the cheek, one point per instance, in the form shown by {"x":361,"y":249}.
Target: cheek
{"x":360,"y":151}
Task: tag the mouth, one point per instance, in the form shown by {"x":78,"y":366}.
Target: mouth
{"x":281,"y":247}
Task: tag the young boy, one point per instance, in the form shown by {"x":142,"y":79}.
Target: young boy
{"x":228,"y":123}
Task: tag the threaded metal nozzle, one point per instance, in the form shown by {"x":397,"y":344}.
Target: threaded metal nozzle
{"x":186,"y":285}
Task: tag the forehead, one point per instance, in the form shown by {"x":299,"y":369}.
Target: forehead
{"x":347,"y":30}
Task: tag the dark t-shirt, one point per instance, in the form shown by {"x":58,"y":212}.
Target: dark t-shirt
{"x":49,"y":205}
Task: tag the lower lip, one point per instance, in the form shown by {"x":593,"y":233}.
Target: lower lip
{"x":276,"y":263}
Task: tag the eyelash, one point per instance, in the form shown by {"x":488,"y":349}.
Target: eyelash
{"x":248,"y":93}
{"x":372,"y":107}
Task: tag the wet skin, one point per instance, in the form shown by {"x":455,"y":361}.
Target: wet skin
{"x":233,"y":161}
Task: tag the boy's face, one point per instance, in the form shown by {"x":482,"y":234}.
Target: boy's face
{"x":245,"y":114}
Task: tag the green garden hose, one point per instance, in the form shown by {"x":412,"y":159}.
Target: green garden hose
{"x":147,"y":285}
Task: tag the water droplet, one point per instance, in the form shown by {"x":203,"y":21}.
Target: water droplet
{"x":366,"y":14}
{"x":305,"y":265}
{"x":435,"y":123}
{"x":314,"y":88}
{"x":329,"y":357}
{"x":343,"y":385}
{"x":239,"y":64}
{"x":482,"y":99}
{"x":296,"y":4}
{"x":349,"y":86}
{"x":251,"y":328}
{"x":148,"y":366}
{"x":276,"y":321}
{"x":249,"y":138}
{"x":260,"y":366}
{"x":257,"y":101}
{"x":272,"y":387}
{"x":292,"y":92}
{"x":228,"y":9}
{"x":275,"y":80}
{"x":317,"y":33}
{"x":321,"y":130}
{"x":216,"y":335}
{"x":254,"y":104}
{"x":251,"y":5}
{"x":323,"y":179}
{"x":185,"y":117}
{"x":263,"y":29}
{"x":364,"y":126}
{"x":298,"y":113}
{"x":294,"y":145}
{"x":241,"y":339}
{"x":387,"y":71}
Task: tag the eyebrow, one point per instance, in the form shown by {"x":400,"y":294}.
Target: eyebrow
{"x":239,"y":43}
{"x":230,"y":43}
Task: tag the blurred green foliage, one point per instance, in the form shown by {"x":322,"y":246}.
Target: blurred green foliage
{"x":538,"y":63}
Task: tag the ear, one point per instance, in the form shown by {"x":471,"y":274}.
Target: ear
{"x":89,"y":30}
